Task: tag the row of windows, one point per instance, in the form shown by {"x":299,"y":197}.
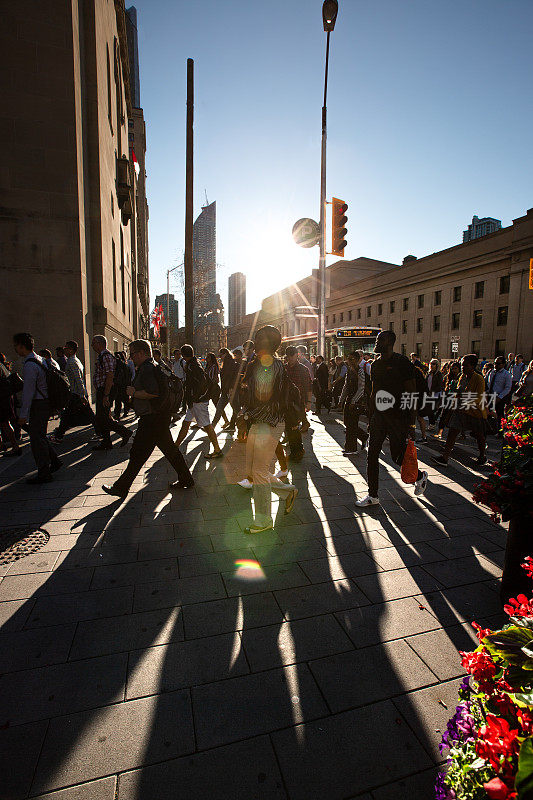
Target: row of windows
{"x":499,"y":349}
{"x":479,"y":291}
{"x":477,"y":320}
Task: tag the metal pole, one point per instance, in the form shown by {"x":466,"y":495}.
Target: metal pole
{"x":168,"y":314}
{"x":321,"y":342}
{"x":188,"y":268}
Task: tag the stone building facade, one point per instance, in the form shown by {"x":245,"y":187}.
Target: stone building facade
{"x":68,"y":233}
{"x":475,"y":294}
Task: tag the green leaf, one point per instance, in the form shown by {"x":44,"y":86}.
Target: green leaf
{"x":522,"y":699}
{"x":508,"y":644}
{"x":522,"y":622}
{"x":528,"y":651}
{"x":524,"y":776}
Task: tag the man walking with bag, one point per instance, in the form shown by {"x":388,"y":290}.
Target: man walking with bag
{"x":197,"y":395}
{"x":104,"y":375}
{"x":154,"y":424}
{"x":391,"y":375}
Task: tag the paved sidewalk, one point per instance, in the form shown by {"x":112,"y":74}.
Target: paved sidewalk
{"x":141,"y":661}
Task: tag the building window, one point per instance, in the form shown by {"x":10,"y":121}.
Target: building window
{"x":349,"y":315}
{"x":122,"y":282}
{"x":505,"y":282}
{"x":392,"y":306}
{"x":406,"y":304}
{"x":476,"y":347}
{"x":418,"y":348}
{"x":434,"y":350}
{"x":358,"y":313}
{"x":502,"y":315}
{"x":327,"y":319}
{"x":334,"y":319}
{"x":129,"y":302}
{"x":477,"y":319}
{"x":479,"y":290}
{"x":112,"y":205}
{"x":391,"y":326}
{"x":114,"y":256}
{"x":420,"y":301}
{"x":404,"y":349}
{"x":500,"y":348}
{"x":457,"y":294}
{"x":341,"y":316}
{"x":108,"y":66}
{"x":404,"y":326}
{"x":419,"y":325}
{"x":438,"y":296}
{"x":436,"y":323}
{"x":380,"y":309}
{"x":455,"y":321}
{"x":369,"y":311}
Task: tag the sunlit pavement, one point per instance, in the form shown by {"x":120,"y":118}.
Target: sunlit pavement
{"x":152,"y":650}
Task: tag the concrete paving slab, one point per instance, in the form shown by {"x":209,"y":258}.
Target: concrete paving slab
{"x":463,"y":546}
{"x":463,"y":571}
{"x":207,"y":563}
{"x":439,"y":649}
{"x":427,"y":712}
{"x":174,"y":547}
{"x":340,"y":542}
{"x":230,"y":614}
{"x":103,"y":789}
{"x":134,"y":573}
{"x":113,"y":739}
{"x":276,"y":576}
{"x":17,"y":772}
{"x":336,"y":757}
{"x":14,"y":613}
{"x":337,"y":567}
{"x":384,"y":622}
{"x":396,"y":583}
{"x":320,"y":598}
{"x":287,"y":553}
{"x":291,"y":642}
{"x":183,"y":664}
{"x":254,"y":704}
{"x":415,"y":787}
{"x":35,"y":648}
{"x":128,"y":632}
{"x":45,"y":692}
{"x":101,"y":554}
{"x":406,"y":556}
{"x":80,"y":606}
{"x":462,"y":603}
{"x":19,"y":587}
{"x":365,"y":676}
{"x":38,"y":562}
{"x":149,"y":596}
{"x":240,"y":771}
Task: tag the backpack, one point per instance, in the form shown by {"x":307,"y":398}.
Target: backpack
{"x":170,"y":391}
{"x":122,"y":374}
{"x":57,"y":385}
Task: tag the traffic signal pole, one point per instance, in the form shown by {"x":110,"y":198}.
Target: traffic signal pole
{"x":188,"y":268}
{"x":321,"y":343}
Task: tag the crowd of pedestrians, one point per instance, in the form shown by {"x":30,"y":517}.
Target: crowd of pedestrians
{"x":260,"y":394}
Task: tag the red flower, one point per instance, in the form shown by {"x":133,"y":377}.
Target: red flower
{"x":521,"y":607}
{"x":497,"y":790}
{"x":498,"y":744}
{"x":525,"y":717}
{"x":528,"y":566}
{"x":480,"y":666}
{"x":480,"y":632}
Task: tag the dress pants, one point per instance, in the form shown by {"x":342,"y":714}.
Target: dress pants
{"x":43,"y":452}
{"x":153,"y":431}
{"x":260,"y":451}
{"x":383,"y":425}
{"x":104,"y":421}
{"x":353,"y":430}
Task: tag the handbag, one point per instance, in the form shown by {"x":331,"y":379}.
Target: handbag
{"x":409,"y":469}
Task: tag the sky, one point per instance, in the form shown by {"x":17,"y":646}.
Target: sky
{"x":429,"y":122}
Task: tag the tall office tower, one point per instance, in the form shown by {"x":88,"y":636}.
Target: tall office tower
{"x":171,"y":313}
{"x":236,"y":298}
{"x":481,"y":227}
{"x":137,"y":149}
{"x":204,"y":254}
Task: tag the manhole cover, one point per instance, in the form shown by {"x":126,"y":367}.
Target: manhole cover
{"x":16,"y":543}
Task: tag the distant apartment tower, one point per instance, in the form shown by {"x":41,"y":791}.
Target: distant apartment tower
{"x":204,"y":254}
{"x":172,"y":313}
{"x":236,"y":298}
{"x":481,"y":227}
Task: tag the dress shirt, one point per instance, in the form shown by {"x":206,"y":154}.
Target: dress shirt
{"x":303,"y":360}
{"x":74,"y":373}
{"x":499,"y":382}
{"x":34,"y":383}
{"x":177,"y":369}
{"x":516,"y":372}
{"x":105,"y":363}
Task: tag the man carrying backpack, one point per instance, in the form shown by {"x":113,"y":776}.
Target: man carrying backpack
{"x":197,"y":394}
{"x":148,"y":400}
{"x":35,"y":409}
{"x":104,"y":376}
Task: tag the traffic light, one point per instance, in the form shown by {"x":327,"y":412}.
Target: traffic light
{"x":338,"y":226}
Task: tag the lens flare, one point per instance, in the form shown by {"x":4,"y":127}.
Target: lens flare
{"x":249,"y":570}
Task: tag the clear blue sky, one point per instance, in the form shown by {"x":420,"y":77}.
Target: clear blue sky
{"x":429,"y":122}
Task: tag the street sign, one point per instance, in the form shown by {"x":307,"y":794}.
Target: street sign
{"x":306,"y":232}
{"x":455,"y":347}
{"x":356,"y":333}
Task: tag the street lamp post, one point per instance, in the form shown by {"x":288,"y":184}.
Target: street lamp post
{"x":329,"y":15}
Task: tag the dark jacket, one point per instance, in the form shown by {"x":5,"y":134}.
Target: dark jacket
{"x":196,"y":389}
{"x":228,"y":375}
{"x":322,"y":376}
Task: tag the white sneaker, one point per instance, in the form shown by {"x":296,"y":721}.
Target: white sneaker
{"x":367,"y":501}
{"x":421,"y":485}
{"x":246,"y":484}
{"x":281,"y":473}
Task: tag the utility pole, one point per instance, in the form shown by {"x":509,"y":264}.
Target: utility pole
{"x":188,"y":268}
